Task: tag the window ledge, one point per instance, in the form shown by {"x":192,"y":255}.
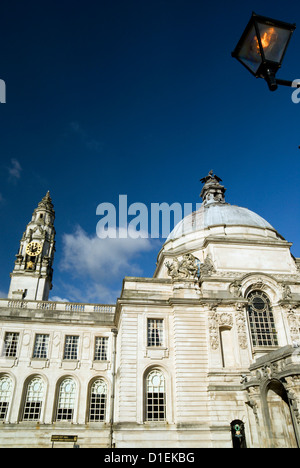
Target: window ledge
{"x":158,"y":352}
{"x":8,"y":361}
{"x":70,"y":364}
{"x":100,"y":365}
{"x":39,"y":363}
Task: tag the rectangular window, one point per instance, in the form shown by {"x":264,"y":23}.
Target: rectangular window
{"x":40,"y":350}
{"x":32,"y":411}
{"x":155,"y":396}
{"x":156,"y":407}
{"x":101,"y":345}
{"x":10,"y":344}
{"x":71,"y":347}
{"x":155,"y":332}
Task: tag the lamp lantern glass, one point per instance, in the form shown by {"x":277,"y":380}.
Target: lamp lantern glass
{"x":262,"y":46}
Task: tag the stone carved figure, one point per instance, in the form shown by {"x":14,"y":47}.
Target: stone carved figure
{"x":286,"y":292}
{"x":235,"y":288}
{"x":294,"y":325}
{"x":187,"y":267}
{"x":207,"y":268}
{"x":292,"y":385}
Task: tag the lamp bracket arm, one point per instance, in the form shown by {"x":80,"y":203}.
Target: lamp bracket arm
{"x":291,"y":84}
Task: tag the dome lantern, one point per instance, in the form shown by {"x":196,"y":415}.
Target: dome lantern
{"x":212,"y":191}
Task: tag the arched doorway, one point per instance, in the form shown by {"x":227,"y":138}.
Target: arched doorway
{"x":279,"y":417}
{"x":238,"y":434}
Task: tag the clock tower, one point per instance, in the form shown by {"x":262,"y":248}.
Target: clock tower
{"x":31,"y":278}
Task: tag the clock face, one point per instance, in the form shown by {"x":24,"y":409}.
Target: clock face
{"x":34,"y":249}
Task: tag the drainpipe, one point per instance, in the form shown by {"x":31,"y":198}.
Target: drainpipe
{"x":112,"y":403}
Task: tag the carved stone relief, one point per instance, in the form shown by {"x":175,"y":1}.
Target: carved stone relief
{"x":241,"y":326}
{"x":294,"y":323}
{"x":217,"y":320}
{"x":207,"y":267}
{"x":235,"y":288}
{"x":253,"y":399}
{"x":286,"y":292}
{"x":187,"y":267}
{"x":292,"y":386}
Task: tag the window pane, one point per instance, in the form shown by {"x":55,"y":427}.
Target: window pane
{"x":101,"y":345}
{"x":71,"y":347}
{"x":261,"y":320}
{"x":66,"y":400}
{"x":41,"y":346}
{"x":155,"y":332}
{"x":5,"y":396}
{"x":98,"y":401}
{"x":34,"y":400}
{"x":155,"y":397}
{"x":11,"y":344}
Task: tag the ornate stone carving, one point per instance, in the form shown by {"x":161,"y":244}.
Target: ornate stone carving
{"x":213,"y":329}
{"x":241,"y":326}
{"x":286,"y":292}
{"x":258,"y":285}
{"x":294,"y":324}
{"x":207,"y":268}
{"x":225,"y":319}
{"x":253,"y":398}
{"x":187,"y":267}
{"x":235,"y":288}
{"x":292,"y":386}
{"x":215,"y":321}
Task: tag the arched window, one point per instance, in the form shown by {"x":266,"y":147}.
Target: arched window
{"x":155,"y":396}
{"x":34,"y":400}
{"x":5,"y":396}
{"x":66,"y":400}
{"x":98,"y":398}
{"x":261,"y":320}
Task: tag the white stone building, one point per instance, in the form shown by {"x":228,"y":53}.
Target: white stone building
{"x":204,"y":354}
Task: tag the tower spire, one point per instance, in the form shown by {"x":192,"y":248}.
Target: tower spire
{"x":32,"y":274}
{"x":46,"y":203}
{"x":212,"y":191}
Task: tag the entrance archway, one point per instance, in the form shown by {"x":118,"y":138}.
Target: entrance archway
{"x":279,"y":417}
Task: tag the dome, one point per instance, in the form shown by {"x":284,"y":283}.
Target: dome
{"x":218,"y":214}
{"x":215,"y":213}
{"x":225,"y":237}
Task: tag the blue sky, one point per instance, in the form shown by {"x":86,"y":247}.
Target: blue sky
{"x":139,"y":98}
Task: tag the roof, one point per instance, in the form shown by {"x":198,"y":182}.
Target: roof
{"x":217,"y":214}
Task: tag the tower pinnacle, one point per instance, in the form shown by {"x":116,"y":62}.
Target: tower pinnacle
{"x":212,"y":191}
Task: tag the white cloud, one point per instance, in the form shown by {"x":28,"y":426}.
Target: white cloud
{"x":88,"y":255}
{"x":99,"y":265}
{"x":58,"y":299}
{"x":15,"y":170}
{"x":88,"y":291}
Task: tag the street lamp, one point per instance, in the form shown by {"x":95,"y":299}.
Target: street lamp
{"x":262,"y":47}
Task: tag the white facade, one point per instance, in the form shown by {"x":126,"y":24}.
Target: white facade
{"x":201,"y":355}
